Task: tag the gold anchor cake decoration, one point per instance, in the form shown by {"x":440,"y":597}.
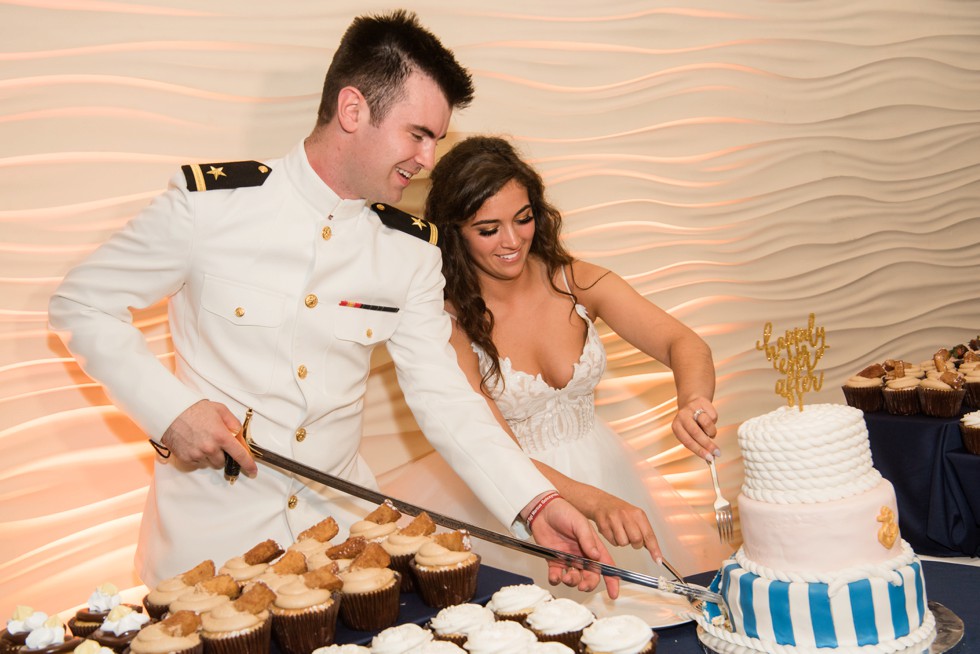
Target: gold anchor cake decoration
{"x":888,"y":533}
{"x":795,"y":356}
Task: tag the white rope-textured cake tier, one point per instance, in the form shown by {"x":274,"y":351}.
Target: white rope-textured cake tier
{"x":819,"y":454}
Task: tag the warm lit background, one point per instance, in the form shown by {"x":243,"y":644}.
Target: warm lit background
{"x":738,"y":161}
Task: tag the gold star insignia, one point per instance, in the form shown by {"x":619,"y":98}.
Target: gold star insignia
{"x":217,"y":172}
{"x":418,"y":222}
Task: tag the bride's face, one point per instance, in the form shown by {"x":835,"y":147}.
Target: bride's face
{"x":498,"y":237}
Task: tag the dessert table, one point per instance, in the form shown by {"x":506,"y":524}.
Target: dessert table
{"x":937,"y":482}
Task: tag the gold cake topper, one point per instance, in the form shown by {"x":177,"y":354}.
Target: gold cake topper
{"x":795,"y":355}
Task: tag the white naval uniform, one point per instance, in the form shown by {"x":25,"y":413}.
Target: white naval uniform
{"x":255,"y":277}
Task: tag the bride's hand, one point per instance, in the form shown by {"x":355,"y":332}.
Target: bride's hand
{"x":623,"y":524}
{"x":694,"y":427}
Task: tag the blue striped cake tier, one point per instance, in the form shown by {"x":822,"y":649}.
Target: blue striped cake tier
{"x":860,"y":611}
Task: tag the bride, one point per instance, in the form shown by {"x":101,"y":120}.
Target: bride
{"x":524,"y":334}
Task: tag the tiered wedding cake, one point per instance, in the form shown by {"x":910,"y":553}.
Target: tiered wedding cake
{"x":822,"y":563}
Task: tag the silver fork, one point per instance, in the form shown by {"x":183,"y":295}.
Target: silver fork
{"x":723,"y":509}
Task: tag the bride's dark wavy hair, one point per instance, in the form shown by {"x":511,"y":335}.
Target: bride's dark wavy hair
{"x":473,"y":171}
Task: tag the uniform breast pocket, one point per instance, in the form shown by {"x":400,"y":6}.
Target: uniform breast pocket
{"x":364,"y":326}
{"x":239,"y":329}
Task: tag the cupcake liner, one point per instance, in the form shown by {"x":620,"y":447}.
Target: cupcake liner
{"x":447,"y":586}
{"x":372,"y":611}
{"x":82,"y":628}
{"x":868,"y":399}
{"x":155,"y":611}
{"x":455,"y":639}
{"x":302,"y":631}
{"x":971,"y":438}
{"x":940,"y":403}
{"x":11,"y":643}
{"x":401,"y":563}
{"x":972,"y":398}
{"x":257,"y":640}
{"x":572,"y":639}
{"x":903,"y":402}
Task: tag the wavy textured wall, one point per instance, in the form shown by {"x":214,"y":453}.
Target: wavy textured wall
{"x":738,"y":162}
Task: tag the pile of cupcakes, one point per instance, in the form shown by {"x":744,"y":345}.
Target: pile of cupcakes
{"x":939,"y":387}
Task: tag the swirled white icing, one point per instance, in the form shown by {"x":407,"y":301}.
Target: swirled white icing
{"x":818,"y":454}
{"x":518,"y":598}
{"x":621,"y":634}
{"x":122,"y":619}
{"x":400,"y":639}
{"x":971,"y":419}
{"x":461,"y":619}
{"x":558,"y":616}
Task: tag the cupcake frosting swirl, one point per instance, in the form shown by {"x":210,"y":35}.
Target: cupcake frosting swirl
{"x":309,"y":546}
{"x":122,"y":619}
{"x":25,"y":620}
{"x":857,"y":381}
{"x":239,"y":570}
{"x":346,"y":648}
{"x":104,"y":598}
{"x":501,"y":637}
{"x":152,"y":639}
{"x":297,"y":595}
{"x":618,"y":634}
{"x":226,"y":618}
{"x":434,"y":555}
{"x":167,"y":591}
{"x":372,"y":530}
{"x":558,"y":616}
{"x":441,"y":647}
{"x":971,"y":419}
{"x":518,"y":598}
{"x":935,"y":384}
{"x":198,"y":600}
{"x":51,"y":632}
{"x":902,"y":383}
{"x":461,"y":619}
{"x":398,"y":640}
{"x":400,"y":544}
{"x":366,"y":580}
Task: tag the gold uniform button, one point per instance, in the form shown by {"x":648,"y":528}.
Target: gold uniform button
{"x":302,"y":372}
{"x":239,"y":312}
{"x":293,"y":501}
{"x":326,"y":233}
{"x":369,"y":332}
{"x":312,"y":300}
{"x":300,"y":435}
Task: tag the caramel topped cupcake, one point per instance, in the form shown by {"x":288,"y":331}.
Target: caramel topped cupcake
{"x":158,"y":600}
{"x":371,"y":591}
{"x":971,"y":384}
{"x":901,"y":394}
{"x":119,"y":627}
{"x":243,"y":626}
{"x":377,"y":525}
{"x":304,"y":612}
{"x":942,"y":397}
{"x":316,"y":539}
{"x":177,"y":634}
{"x":252,"y":563}
{"x":286,"y":569}
{"x":207,"y":595}
{"x":446,"y":570}
{"x":404,"y":543}
{"x":863,"y":390}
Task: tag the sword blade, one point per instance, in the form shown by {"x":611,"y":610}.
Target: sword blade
{"x":678,"y":587}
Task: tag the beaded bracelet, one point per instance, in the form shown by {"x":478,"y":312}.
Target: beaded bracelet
{"x":543,"y":502}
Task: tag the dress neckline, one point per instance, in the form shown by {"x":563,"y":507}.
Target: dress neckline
{"x":505,"y":362}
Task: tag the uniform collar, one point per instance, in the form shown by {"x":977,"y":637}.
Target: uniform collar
{"x":315,"y":191}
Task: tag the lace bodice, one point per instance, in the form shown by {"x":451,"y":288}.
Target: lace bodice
{"x":543,"y":417}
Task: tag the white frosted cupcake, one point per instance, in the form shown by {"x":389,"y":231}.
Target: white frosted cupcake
{"x":970,"y":430}
{"x":560,"y":620}
{"x":619,"y":634}
{"x":346,"y":648}
{"x":439,"y":647}
{"x":549,"y":647}
{"x":518,"y":601}
{"x":402,"y":639}
{"x":454,"y":623}
{"x":501,"y":637}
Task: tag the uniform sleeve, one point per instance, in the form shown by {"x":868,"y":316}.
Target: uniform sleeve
{"x":90,"y":310}
{"x":454,"y":418}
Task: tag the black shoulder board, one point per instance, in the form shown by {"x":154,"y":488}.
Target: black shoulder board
{"x":233,"y":174}
{"x":406,"y":222}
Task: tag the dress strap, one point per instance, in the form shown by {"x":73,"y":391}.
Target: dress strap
{"x":565,"y":279}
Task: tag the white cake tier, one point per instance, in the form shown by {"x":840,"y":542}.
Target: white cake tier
{"x":819,"y":538}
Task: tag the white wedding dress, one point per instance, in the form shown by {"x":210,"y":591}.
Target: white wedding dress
{"x":559,"y":427}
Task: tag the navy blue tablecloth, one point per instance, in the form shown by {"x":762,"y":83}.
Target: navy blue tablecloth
{"x":937,"y":482}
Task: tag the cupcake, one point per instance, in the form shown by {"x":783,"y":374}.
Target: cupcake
{"x":942,"y":397}
{"x":970,"y":429}
{"x":454,"y":623}
{"x":560,"y":620}
{"x":158,"y":600}
{"x":91,"y":647}
{"x":285,"y":570}
{"x":304,"y":613}
{"x":518,"y":601}
{"x":404,"y":543}
{"x":102,"y":600}
{"x":240,"y":627}
{"x":971,"y":384}
{"x":345,"y":552}
{"x":446,"y":570}
{"x":176,"y":634}
{"x":252,"y":563}
{"x":901,"y":396}
{"x":119,"y":627}
{"x":622,"y":634}
{"x":22,"y":622}
{"x":370,"y":592}
{"x":440,"y":647}
{"x":377,"y":525}
{"x":401,"y":639}
{"x":207,"y":595}
{"x":863,"y":390}
{"x":316,"y":539}
{"x":48,"y":638}
{"x":548,"y":647}
{"x":501,"y":637}
{"x":346,"y":648}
